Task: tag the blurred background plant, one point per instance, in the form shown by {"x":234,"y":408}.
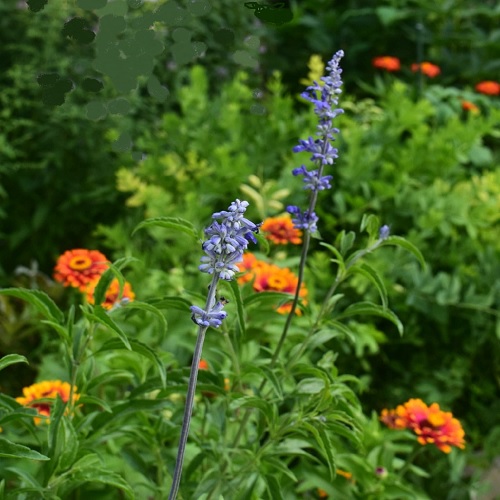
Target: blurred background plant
{"x":411,"y":153}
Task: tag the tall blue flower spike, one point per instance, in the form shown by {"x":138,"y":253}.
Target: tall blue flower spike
{"x":325,"y":100}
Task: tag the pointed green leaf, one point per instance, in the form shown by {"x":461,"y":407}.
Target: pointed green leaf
{"x":254,"y":402}
{"x":140,"y":348}
{"x":403,"y":243}
{"x":368,"y":308}
{"x":61,"y":330}
{"x":236,"y":294}
{"x":101,"y":316}
{"x":372,"y":275}
{"x":339,"y":260}
{"x":274,"y":298}
{"x":109,"y":275}
{"x":40,"y":300}
{"x":175,"y":223}
{"x":178,"y":303}
{"x":13,"y":450}
{"x":11,"y":359}
{"x":144,"y":306}
{"x":325,"y":445}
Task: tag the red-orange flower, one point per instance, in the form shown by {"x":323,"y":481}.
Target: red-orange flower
{"x":322,"y":493}
{"x":387,"y":62}
{"x":48,"y":389}
{"x":427,"y":68}
{"x":112,"y":296}
{"x":269,"y":277}
{"x":79,"y":267}
{"x":470,"y":106}
{"x":203,"y":365}
{"x":280,"y":230}
{"x":429,"y":423}
{"x":488,"y":87}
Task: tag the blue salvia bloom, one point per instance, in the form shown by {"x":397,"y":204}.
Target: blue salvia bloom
{"x":325,"y":100}
{"x":384,"y":232}
{"x":227,"y":240}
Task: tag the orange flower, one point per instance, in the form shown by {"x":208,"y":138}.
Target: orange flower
{"x":48,"y":389}
{"x":488,"y":87}
{"x":203,"y":365}
{"x":322,"y":493}
{"x":79,"y":267}
{"x":387,"y":62}
{"x":429,"y":423}
{"x":427,"y":68}
{"x":280,"y":230}
{"x":470,"y":106}
{"x":112,"y":296}
{"x":269,"y":277}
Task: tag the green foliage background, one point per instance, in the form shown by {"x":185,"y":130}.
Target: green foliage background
{"x":85,"y":173}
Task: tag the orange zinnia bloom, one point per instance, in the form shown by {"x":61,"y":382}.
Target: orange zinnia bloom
{"x":427,"y":68}
{"x":79,"y":267}
{"x":470,"y":106}
{"x":112,"y":293}
{"x":387,"y":62}
{"x":280,"y":230}
{"x":269,"y":277}
{"x":48,"y":389}
{"x":488,"y":87}
{"x":429,"y":423}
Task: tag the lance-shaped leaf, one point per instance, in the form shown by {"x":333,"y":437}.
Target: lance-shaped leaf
{"x":40,"y":300}
{"x":175,"y":223}
{"x":13,"y":450}
{"x":371,"y":309}
{"x":11,"y":359}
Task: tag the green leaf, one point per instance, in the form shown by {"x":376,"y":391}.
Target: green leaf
{"x":61,"y":330}
{"x":346,"y":241}
{"x":273,"y":485}
{"x":109,"y":275}
{"x":175,"y":223}
{"x":40,"y":300}
{"x":86,"y":400}
{"x":339,"y":260}
{"x":267,"y":373}
{"x":13,"y":450}
{"x":263,"y":243}
{"x":94,"y":475}
{"x":325,"y":445}
{"x":140,"y":348}
{"x":267,"y":297}
{"x":368,"y":308}
{"x":178,"y":303}
{"x":403,"y":243}
{"x":371,"y":223}
{"x":236,"y":294}
{"x":68,"y":443}
{"x":101,"y":316}
{"x":253,"y":402}
{"x":310,"y":386}
{"x":144,"y":306}
{"x":372,"y":275}
{"x":11,"y":359}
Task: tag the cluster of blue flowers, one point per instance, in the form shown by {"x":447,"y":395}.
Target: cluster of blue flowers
{"x":325,"y":99}
{"x":227,"y":240}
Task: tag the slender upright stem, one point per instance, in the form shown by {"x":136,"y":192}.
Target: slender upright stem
{"x":188,"y":410}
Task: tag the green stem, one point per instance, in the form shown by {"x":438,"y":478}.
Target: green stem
{"x":415,"y":453}
{"x":193,"y":377}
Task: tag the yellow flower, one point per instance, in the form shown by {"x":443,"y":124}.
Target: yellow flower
{"x":36,"y":396}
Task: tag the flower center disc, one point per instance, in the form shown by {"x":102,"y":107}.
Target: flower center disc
{"x":79,"y":263}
